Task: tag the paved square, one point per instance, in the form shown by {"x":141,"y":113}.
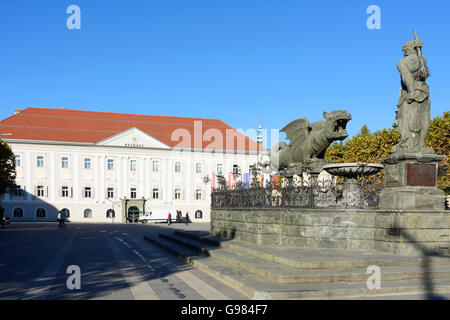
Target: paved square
{"x":115,"y":262}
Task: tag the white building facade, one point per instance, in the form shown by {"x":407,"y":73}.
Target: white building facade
{"x":126,"y":174}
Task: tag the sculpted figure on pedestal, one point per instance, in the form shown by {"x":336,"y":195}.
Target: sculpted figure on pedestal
{"x":414,"y":103}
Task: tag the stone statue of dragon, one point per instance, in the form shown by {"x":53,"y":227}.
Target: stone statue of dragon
{"x":308,"y":142}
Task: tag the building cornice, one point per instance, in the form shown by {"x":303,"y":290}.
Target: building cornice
{"x":94,"y":145}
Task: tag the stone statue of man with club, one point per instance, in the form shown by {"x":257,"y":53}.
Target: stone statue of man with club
{"x":414,"y":103}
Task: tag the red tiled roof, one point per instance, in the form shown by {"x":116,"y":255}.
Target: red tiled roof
{"x":64,"y":125}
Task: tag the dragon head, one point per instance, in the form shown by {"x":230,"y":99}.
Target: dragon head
{"x":335,"y":124}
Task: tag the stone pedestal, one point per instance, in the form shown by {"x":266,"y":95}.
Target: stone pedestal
{"x":312,"y":166}
{"x":410,"y":182}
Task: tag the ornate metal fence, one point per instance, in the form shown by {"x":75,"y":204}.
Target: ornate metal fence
{"x":304,"y":194}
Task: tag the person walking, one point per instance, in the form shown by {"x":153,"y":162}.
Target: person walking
{"x":169,"y":220}
{"x":2,"y":219}
{"x":187,"y":218}
{"x":63,"y":220}
{"x":59,"y":219}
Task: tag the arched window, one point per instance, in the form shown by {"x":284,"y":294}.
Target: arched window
{"x":110,"y":214}
{"x":198,"y":214}
{"x":40,"y":213}
{"x":18,"y":213}
{"x":65,"y":212}
{"x":88,"y":214}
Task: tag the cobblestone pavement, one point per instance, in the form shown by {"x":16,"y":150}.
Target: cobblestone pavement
{"x":115,"y":263}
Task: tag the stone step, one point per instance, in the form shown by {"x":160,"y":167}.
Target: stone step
{"x":261,"y":289}
{"x":304,"y":258}
{"x":283,"y":274}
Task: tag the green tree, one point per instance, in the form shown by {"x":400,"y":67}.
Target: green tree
{"x":7,"y":169}
{"x":438,"y":138}
{"x":364,"y":131}
{"x":365,"y":147}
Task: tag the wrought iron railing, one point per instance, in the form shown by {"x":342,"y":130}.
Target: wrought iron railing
{"x":334,"y":193}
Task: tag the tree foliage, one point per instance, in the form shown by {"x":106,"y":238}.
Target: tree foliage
{"x":364,"y":131}
{"x":7,"y":167}
{"x":439,"y":139}
{"x":367,"y":147}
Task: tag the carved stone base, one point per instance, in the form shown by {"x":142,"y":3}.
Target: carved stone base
{"x":410,"y":182}
{"x":312,"y":166}
{"x":412,"y":198}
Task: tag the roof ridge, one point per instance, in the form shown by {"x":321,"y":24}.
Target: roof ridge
{"x":105,"y":131}
{"x":120,"y":113}
{"x":133,"y":121}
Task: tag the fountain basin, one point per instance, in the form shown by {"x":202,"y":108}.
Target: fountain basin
{"x":353,"y":170}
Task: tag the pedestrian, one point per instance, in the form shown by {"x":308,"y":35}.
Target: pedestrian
{"x":63,"y":219}
{"x":2,"y":219}
{"x":59,"y":219}
{"x":187,"y":218}
{"x":169,"y":218}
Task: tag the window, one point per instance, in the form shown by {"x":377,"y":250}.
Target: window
{"x":87,"y":163}
{"x":17,"y":161}
{"x":40,"y":213}
{"x":65,"y":213}
{"x":110,"y":193}
{"x":198,"y":167}
{"x":110,"y":214}
{"x":87,"y":214}
{"x":177,"y":166}
{"x":177,"y":194}
{"x":198,"y":194}
{"x":40,"y":161}
{"x":64,"y":162}
{"x":235,"y":169}
{"x":87,"y":192}
{"x":133,"y":165}
{"x":18,"y":191}
{"x":155,"y":166}
{"x":133,"y":193}
{"x":40,"y":191}
{"x":155,"y":193}
{"x":64,"y":192}
{"x":18,"y":213}
{"x":110,"y":164}
{"x":219,"y":169}
{"x":198,"y":214}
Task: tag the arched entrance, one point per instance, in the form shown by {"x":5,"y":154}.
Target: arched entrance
{"x":133,"y":215}
{"x":132,"y":209}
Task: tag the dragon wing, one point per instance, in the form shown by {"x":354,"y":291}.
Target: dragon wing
{"x":297,"y":130}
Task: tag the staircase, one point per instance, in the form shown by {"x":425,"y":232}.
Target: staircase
{"x":262,"y":272}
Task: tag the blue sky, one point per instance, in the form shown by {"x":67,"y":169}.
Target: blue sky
{"x":235,"y":60}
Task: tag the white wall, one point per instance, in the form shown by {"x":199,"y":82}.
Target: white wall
{"x":52,"y":176}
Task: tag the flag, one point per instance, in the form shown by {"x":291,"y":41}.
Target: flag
{"x":246,"y":180}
